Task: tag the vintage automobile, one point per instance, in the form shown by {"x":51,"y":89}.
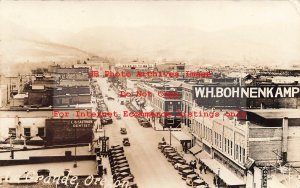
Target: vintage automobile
{"x":123,"y":131}
{"x":126,"y":142}
{"x":190,"y":178}
{"x":197,"y":182}
{"x":181,"y":168}
{"x":119,"y":116}
{"x":185,"y":173}
{"x":160,"y":144}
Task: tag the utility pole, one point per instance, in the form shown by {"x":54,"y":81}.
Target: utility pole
{"x":170,"y":135}
{"x":75,"y":164}
{"x":218,"y":178}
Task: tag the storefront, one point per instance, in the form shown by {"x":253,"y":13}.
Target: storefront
{"x":69,"y":131}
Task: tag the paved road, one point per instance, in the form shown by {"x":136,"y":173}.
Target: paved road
{"x":147,"y":163}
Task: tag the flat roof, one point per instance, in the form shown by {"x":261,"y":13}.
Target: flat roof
{"x":276,"y":113}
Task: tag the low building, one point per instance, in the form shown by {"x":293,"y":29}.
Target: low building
{"x":55,"y":128}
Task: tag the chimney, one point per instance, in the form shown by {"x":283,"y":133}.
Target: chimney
{"x":285,"y":128}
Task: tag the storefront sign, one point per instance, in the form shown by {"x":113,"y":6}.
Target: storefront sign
{"x":264,"y":178}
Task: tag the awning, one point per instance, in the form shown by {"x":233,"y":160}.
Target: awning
{"x":226,"y":175}
{"x":203,"y":155}
{"x":181,"y":136}
{"x":196,"y":149}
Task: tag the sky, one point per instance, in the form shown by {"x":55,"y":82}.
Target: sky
{"x":57,"y":19}
{"x":207,"y":15}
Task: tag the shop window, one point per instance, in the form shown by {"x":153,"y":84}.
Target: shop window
{"x":27,"y":132}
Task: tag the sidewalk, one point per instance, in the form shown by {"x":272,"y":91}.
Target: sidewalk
{"x":208,"y":177}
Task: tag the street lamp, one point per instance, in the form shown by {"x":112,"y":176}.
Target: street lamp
{"x":218,"y":178}
{"x":11,"y":146}
{"x":170,"y":135}
{"x":75,"y":163}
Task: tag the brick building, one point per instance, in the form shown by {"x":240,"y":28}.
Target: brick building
{"x":160,"y":100}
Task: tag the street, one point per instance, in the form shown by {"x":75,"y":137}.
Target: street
{"x":147,"y":163}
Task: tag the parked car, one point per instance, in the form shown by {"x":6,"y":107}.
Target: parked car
{"x":170,"y":155}
{"x":174,"y":157}
{"x":182,"y":168}
{"x":114,"y":152}
{"x":190,"y":178}
{"x":118,"y":158}
{"x":178,"y":161}
{"x":123,"y":131}
{"x":120,"y":176}
{"x":119,"y":162}
{"x":198,"y":182}
{"x":116,"y":155}
{"x":116,"y":147}
{"x":168,"y":150}
{"x":187,"y":172}
{"x":177,"y":165}
{"x":110,"y":98}
{"x":126,"y":142}
{"x":123,"y":169}
{"x":161,"y":144}
{"x":119,"y":166}
{"x":163,"y":148}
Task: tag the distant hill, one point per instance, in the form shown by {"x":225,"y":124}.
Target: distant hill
{"x":19,"y":44}
{"x":22,"y":50}
{"x":250,"y":44}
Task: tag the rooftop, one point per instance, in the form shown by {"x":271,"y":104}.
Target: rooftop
{"x":276,"y":113}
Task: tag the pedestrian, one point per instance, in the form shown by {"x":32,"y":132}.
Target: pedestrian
{"x":200,"y":168}
{"x":205,"y":168}
{"x":215,"y":180}
{"x":195,"y":164}
{"x":191,"y":164}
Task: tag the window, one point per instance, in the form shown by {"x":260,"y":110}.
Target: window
{"x":12,"y":132}
{"x":215,"y":139}
{"x":236,"y":152}
{"x":41,"y":131}
{"x":170,"y":108}
{"x":225,"y":144}
{"x":243,"y":155}
{"x":231,"y":147}
{"x":220,"y":141}
{"x":27,"y":132}
{"x":240,"y":151}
